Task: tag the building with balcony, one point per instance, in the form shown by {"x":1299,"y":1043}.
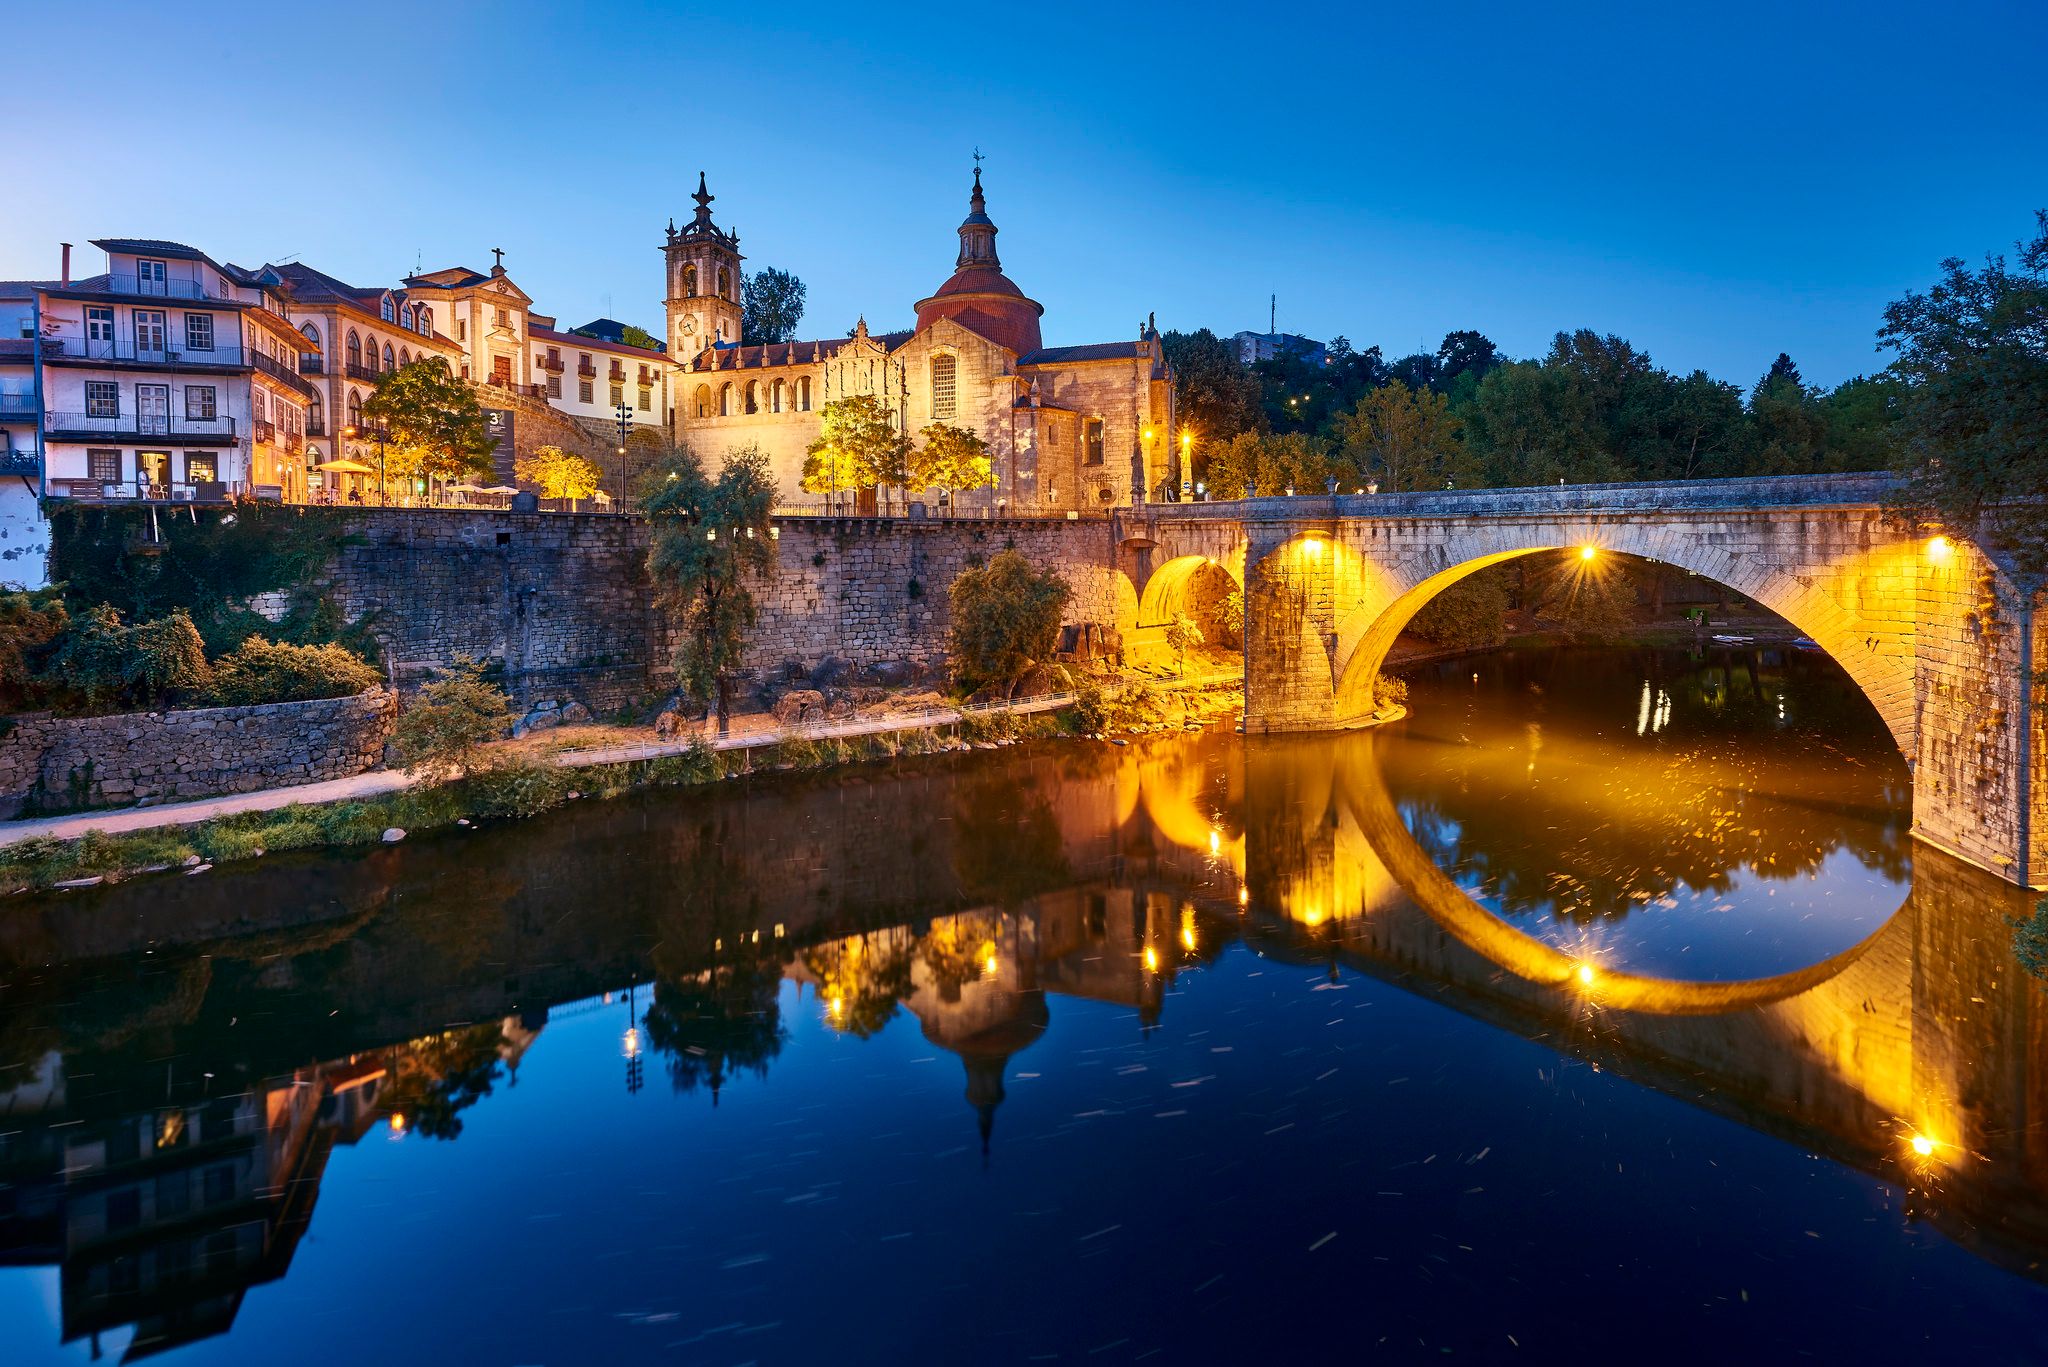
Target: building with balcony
{"x":353,"y":335}
{"x":168,"y":376}
{"x":487,"y":316}
{"x":591,"y":377}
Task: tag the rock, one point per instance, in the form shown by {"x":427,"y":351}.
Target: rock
{"x":667,"y":724}
{"x":197,"y":868}
{"x":91,"y":882}
{"x":575,"y":714}
{"x":462,"y":821}
{"x":193,"y":861}
{"x":891,"y":673}
{"x":832,"y":669}
{"x":542,"y":718}
{"x":799,"y":706}
{"x":393,"y":834}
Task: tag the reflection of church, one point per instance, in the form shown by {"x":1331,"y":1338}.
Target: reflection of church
{"x":1067,"y":427}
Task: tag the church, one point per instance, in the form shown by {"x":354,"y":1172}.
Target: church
{"x":1068,"y":428}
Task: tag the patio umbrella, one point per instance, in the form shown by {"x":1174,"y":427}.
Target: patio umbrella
{"x":462,"y":489}
{"x":499,"y":489}
{"x":346,"y":467}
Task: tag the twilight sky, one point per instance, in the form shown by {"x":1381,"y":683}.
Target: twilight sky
{"x":1715,"y":185}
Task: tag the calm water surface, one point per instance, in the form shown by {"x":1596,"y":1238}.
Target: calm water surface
{"x":1590,"y":1012}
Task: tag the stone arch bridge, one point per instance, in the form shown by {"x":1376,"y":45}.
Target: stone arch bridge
{"x":1938,"y":632}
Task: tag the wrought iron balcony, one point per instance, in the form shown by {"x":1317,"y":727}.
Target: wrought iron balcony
{"x":355,"y":370}
{"x":131,"y":283}
{"x":312,"y":365}
{"x":19,"y":408}
{"x":75,"y":426}
{"x":128,"y":351}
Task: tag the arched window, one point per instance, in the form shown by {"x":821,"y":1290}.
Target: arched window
{"x":703,"y":400}
{"x":725,"y":400}
{"x":724,"y":283}
{"x":315,"y":415}
{"x":943,"y":405}
{"x":387,"y":310}
{"x":313,"y":336}
{"x":803,"y":394}
{"x":355,"y":348}
{"x":355,"y":408}
{"x":405,"y":355}
{"x":775,"y":397}
{"x":390,"y":361}
{"x":426,"y":321}
{"x":690,"y":281}
{"x":753,"y":396}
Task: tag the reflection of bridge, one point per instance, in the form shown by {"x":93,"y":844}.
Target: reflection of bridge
{"x":1098,"y":874}
{"x":1935,"y":632}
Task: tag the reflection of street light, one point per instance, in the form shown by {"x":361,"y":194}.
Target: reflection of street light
{"x":631,"y":1043}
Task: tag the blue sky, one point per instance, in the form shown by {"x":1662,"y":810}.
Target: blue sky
{"x":1716,"y":184}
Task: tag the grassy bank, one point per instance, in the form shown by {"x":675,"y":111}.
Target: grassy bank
{"x":527,"y":788}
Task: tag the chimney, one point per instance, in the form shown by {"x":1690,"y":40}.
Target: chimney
{"x":67,"y":264}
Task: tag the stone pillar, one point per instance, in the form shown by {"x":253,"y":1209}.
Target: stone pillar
{"x":1290,"y":626}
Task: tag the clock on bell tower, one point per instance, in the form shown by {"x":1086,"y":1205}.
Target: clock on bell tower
{"x":703,"y":283}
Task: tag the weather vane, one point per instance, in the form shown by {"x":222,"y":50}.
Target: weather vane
{"x":977,"y":158}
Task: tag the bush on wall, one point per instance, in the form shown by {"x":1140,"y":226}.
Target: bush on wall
{"x":260,"y":671}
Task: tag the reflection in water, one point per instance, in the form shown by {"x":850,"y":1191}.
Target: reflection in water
{"x":165,"y":1156}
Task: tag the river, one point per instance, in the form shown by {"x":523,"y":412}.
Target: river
{"x":1603,"y":1007}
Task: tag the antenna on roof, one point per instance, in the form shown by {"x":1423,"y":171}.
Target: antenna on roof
{"x":1272,"y":313}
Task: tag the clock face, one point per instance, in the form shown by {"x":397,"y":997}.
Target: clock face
{"x":686,"y":328}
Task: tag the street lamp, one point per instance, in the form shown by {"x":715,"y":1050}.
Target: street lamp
{"x":382,"y":433}
{"x":625,"y":415}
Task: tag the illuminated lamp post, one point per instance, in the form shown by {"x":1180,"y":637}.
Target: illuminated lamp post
{"x":625,"y":426}
{"x":1187,"y":459}
{"x":383,"y":434}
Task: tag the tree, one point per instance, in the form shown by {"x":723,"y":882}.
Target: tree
{"x":709,"y":540}
{"x":1465,"y":352}
{"x":434,"y":417}
{"x":1271,"y":464}
{"x":949,"y":458}
{"x":1406,"y":439}
{"x":1469,"y":614}
{"x":443,"y":730}
{"x":1974,"y":353}
{"x":1006,"y":618}
{"x":640,"y":337}
{"x":771,"y":306}
{"x":1214,"y":393}
{"x":1791,"y":429}
{"x":1181,"y":634}
{"x":858,"y":447}
{"x":558,"y":473}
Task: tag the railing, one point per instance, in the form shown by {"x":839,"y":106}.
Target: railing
{"x":356,"y":370}
{"x":266,"y":430}
{"x":126,"y":349}
{"x":63,"y":426}
{"x":586,"y":370}
{"x":16,"y":407}
{"x":161,"y":289}
{"x":312,"y":365}
{"x":293,"y":442}
{"x":270,"y":365}
{"x":316,"y":427}
{"x":549,"y":363}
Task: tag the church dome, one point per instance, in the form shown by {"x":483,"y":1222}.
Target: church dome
{"x":978,"y":295}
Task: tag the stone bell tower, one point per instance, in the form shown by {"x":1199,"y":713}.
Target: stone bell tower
{"x":703,"y":282}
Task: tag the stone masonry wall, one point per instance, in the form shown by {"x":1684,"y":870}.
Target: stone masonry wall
{"x":68,"y":762}
{"x":564,"y":603}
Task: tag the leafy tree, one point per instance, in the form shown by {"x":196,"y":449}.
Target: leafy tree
{"x":1790,"y":427}
{"x":1465,"y":352}
{"x":1862,"y":416}
{"x":639,"y":337}
{"x":558,"y":473}
{"x":29,"y":624}
{"x":1182,"y":633}
{"x":437,"y":426}
{"x":1418,"y":371}
{"x":709,"y":540}
{"x":1214,"y":394}
{"x":167,"y":660}
{"x":100,"y":661}
{"x":1706,"y":428}
{"x":949,"y":458}
{"x":857,"y":447}
{"x":1271,"y":463}
{"x":1006,"y":619}
{"x":771,"y":306}
{"x":1974,"y":352}
{"x":443,"y":730}
{"x":1406,"y":439}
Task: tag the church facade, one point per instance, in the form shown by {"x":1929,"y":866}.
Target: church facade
{"x":1068,"y":428}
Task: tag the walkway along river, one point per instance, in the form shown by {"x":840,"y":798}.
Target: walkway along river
{"x":1601,"y":1005}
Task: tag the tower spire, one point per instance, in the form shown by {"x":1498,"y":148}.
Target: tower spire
{"x":703,"y":198}
{"x":977,"y":231}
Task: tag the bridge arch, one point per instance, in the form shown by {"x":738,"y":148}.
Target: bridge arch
{"x":1842,"y":605}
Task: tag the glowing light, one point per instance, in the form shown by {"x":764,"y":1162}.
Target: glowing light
{"x":1940,"y":549}
{"x":632,"y":1042}
{"x":1586,"y":975}
{"x":1215,"y":841}
{"x":836,"y":1007}
{"x":1922,"y":1145}
{"x":988,"y":961}
{"x":1587,"y":552}
{"x":398,"y":1122}
{"x":1187,"y":929}
{"x":1151,"y":959}
{"x":1244,"y":897}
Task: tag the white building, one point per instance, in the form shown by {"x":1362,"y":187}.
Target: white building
{"x":590,"y":378}
{"x":168,"y":376}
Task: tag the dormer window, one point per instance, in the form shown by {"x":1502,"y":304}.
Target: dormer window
{"x":426,"y":321}
{"x":387,"y":310}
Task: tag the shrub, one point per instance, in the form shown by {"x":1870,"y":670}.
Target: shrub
{"x":1389,"y":691}
{"x":1469,"y":614}
{"x":91,"y":656}
{"x":517,"y":789}
{"x":442,"y":732}
{"x":166,"y":660}
{"x":29,"y":623}
{"x":1006,"y":618}
{"x":260,"y":671}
